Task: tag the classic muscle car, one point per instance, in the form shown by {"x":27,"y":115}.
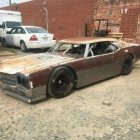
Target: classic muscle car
{"x":69,"y":64}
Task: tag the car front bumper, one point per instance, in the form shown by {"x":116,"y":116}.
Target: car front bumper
{"x":25,"y":95}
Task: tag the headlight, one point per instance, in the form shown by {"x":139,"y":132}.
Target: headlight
{"x":24,"y":81}
{"x":30,"y":84}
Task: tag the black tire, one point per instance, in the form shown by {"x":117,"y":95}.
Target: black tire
{"x":61,"y":82}
{"x":23,"y":46}
{"x":127,"y":65}
{"x":4,"y":43}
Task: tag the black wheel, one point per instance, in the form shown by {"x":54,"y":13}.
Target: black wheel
{"x":127,"y":65}
{"x":23,"y":46}
{"x":4,"y":43}
{"x":61,"y":82}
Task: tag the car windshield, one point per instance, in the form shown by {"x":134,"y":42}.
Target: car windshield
{"x":35,"y":30}
{"x":11,"y":24}
{"x":68,"y":48}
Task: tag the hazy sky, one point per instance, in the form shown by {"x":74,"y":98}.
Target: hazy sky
{"x":6,"y":2}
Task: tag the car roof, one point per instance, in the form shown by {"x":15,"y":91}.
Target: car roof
{"x":29,"y":26}
{"x":86,"y":40}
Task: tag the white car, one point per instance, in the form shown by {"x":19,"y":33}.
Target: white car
{"x":28,"y":37}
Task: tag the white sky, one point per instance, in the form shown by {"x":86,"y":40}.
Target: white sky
{"x":6,"y":2}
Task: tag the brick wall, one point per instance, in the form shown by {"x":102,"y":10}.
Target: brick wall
{"x":67,"y":18}
{"x":122,"y":15}
{"x":129,"y":23}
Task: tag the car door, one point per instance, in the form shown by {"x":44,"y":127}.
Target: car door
{"x":20,"y":32}
{"x":10,"y":37}
{"x":96,"y":67}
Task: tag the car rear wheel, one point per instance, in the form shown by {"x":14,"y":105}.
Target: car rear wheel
{"x":4,"y":43}
{"x":127,"y":65}
{"x":61,"y":82}
{"x":23,"y":46}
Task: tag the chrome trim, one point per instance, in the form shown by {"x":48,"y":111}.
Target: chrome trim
{"x":23,"y":94}
{"x":23,"y":98}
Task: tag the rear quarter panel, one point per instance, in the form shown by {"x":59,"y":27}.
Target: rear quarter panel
{"x":135,"y":51}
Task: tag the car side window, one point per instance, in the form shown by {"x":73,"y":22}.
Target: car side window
{"x":20,"y":31}
{"x":77,"y":49}
{"x":91,"y":48}
{"x":101,"y":48}
{"x":13,"y":31}
{"x":116,"y":45}
{"x":23,"y":31}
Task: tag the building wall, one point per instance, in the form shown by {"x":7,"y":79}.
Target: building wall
{"x":66,"y":18}
{"x":122,"y":15}
{"x":129,"y":23}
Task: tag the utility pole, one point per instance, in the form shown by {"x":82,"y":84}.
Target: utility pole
{"x":10,"y":3}
{"x":46,"y":14}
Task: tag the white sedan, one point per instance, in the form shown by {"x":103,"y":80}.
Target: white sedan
{"x":28,"y":37}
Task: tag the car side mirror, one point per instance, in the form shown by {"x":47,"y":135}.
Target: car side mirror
{"x":7,"y":32}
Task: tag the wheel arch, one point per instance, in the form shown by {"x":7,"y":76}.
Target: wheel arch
{"x":74,"y":73}
{"x":127,"y":64}
{"x":2,"y":41}
{"x":22,"y":41}
{"x":131,"y":55}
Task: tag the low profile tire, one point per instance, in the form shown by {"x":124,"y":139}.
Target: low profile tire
{"x":23,"y":46}
{"x":127,"y":65}
{"x":4,"y":43}
{"x":61,"y":82}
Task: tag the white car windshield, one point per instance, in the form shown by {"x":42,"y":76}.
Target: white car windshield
{"x":35,"y":30}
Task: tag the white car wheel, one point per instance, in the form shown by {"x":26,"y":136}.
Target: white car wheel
{"x":4,"y":43}
{"x":23,"y":47}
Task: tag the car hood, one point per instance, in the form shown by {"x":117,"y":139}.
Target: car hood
{"x":32,"y":63}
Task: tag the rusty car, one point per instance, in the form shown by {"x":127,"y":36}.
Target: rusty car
{"x":69,"y":64}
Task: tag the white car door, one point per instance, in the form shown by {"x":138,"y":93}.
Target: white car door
{"x":20,"y":33}
{"x":10,"y":37}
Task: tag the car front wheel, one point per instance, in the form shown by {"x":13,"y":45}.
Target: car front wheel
{"x":127,"y":65}
{"x":23,"y":46}
{"x":61,"y":82}
{"x":4,"y":43}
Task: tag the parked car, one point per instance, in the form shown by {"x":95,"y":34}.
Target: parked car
{"x":69,"y":64}
{"x":28,"y":37}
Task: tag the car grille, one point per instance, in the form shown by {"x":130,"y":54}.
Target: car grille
{"x":8,"y":79}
